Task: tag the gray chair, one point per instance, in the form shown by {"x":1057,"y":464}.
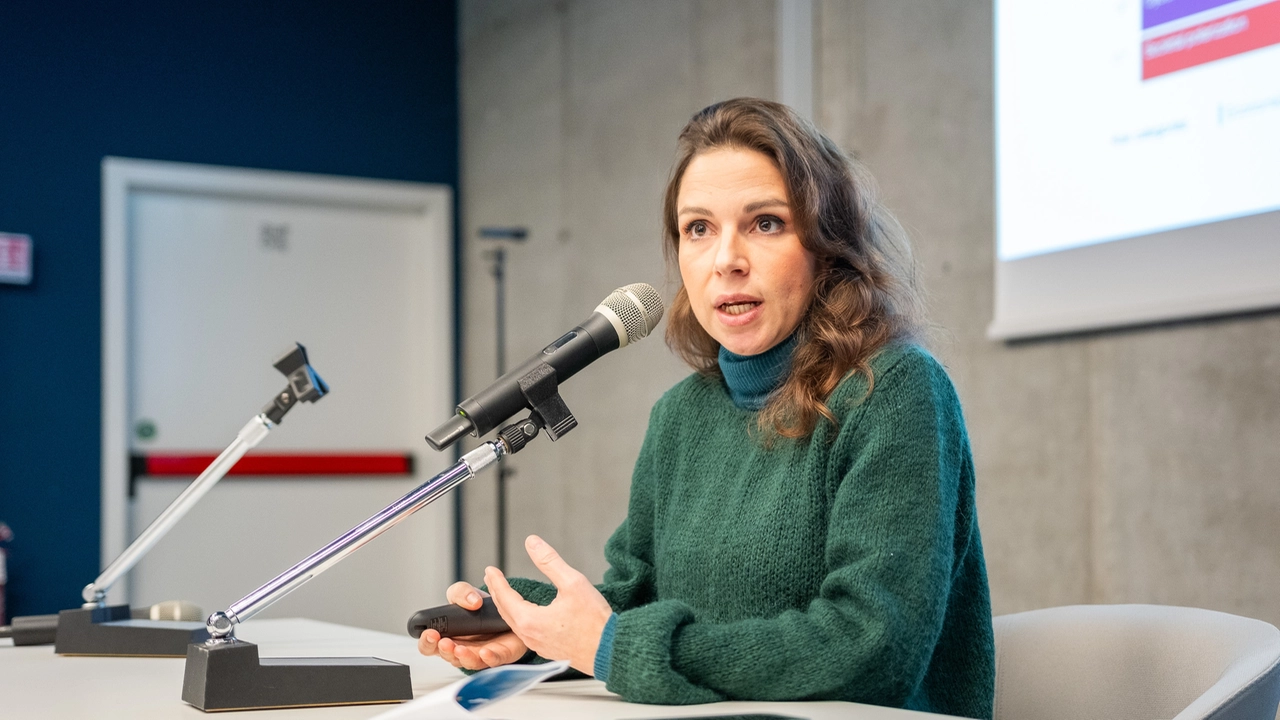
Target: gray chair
{"x":1135,"y":662}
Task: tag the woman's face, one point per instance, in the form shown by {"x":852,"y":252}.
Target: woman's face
{"x":748,"y":277}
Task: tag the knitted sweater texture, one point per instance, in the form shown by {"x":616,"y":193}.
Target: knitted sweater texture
{"x":843,"y":566}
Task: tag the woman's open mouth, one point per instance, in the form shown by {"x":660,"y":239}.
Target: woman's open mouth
{"x":738,"y":308}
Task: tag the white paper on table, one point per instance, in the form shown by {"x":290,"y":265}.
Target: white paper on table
{"x":456,"y":701}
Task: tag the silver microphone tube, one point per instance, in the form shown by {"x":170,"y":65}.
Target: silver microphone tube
{"x":95,"y":593}
{"x":222,"y":624}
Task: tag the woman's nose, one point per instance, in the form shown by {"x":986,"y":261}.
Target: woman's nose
{"x":730,"y":254}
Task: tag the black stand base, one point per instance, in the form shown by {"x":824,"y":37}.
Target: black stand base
{"x":228,"y":675}
{"x":112,"y":631}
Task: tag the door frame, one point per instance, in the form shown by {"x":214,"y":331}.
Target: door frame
{"x":123,"y":176}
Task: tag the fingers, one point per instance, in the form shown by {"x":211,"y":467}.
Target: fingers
{"x":502,"y":650}
{"x":510,"y":604}
{"x":427,"y":642}
{"x":465,"y":595}
{"x":478,"y":655}
{"x":459,"y":655}
{"x":445,"y":648}
{"x":559,"y":572}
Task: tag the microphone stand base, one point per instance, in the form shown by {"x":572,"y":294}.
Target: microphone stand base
{"x":228,"y":675}
{"x":112,"y":631}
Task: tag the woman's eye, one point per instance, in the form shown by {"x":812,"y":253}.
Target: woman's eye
{"x":769,"y":225}
{"x":697,"y":228}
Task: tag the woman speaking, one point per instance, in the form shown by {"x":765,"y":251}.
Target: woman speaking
{"x":801,"y":523}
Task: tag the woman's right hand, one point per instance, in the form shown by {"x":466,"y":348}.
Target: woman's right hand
{"x":473,"y":652}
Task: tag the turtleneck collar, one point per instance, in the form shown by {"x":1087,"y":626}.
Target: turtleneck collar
{"x":751,"y":378}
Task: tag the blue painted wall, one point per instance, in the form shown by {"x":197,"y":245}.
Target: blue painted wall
{"x":347,"y":88}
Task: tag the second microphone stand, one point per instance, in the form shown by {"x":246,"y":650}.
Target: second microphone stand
{"x":97,"y":628}
{"x":498,"y":257}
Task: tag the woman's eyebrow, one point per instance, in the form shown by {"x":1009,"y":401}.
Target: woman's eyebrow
{"x":693,"y":211}
{"x":761,"y":204}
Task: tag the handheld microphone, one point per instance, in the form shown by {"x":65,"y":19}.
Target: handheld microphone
{"x":627,"y":315}
{"x":453,"y":620}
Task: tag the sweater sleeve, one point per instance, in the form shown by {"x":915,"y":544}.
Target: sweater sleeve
{"x":870,"y":633}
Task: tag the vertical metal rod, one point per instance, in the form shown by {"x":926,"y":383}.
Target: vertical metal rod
{"x":500,"y":322}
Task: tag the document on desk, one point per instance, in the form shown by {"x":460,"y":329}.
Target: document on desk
{"x":456,"y":701}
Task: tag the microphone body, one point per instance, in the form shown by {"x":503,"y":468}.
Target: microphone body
{"x":628,"y":314}
{"x":571,"y":352}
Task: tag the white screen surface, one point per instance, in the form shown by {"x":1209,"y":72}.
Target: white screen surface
{"x":1131,"y":122}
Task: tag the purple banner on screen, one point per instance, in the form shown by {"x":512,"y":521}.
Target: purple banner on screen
{"x":1158,"y":12}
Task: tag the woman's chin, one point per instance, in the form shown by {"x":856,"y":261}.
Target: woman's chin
{"x":745,"y":345}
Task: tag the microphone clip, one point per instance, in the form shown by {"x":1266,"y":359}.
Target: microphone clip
{"x":305,"y":385}
{"x":541,"y":392}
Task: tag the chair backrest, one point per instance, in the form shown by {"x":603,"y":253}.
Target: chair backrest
{"x":1135,"y":662}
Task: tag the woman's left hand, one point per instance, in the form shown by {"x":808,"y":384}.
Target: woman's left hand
{"x":567,"y":629}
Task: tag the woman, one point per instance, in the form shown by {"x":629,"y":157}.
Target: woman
{"x":802,"y":522}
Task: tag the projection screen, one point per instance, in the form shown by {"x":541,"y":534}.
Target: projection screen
{"x":1137,"y":162}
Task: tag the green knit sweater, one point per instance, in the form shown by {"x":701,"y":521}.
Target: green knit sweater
{"x":845,"y":566}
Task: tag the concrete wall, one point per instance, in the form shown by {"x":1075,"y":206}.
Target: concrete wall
{"x":1130,"y":466}
{"x":569,"y":125}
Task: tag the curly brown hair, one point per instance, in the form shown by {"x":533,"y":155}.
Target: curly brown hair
{"x":865,"y":294}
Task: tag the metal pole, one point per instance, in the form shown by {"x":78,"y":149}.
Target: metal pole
{"x":500,"y":322}
{"x":499,"y":271}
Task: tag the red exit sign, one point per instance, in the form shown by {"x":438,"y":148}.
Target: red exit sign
{"x":15,"y":258}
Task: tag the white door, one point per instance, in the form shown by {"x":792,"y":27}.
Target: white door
{"x":222,"y":271}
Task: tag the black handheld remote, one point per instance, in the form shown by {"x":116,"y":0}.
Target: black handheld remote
{"x":453,"y":620}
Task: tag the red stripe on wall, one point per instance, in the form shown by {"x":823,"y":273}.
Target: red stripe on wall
{"x":187,"y":464}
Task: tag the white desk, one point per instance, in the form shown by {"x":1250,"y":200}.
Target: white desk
{"x":36,"y":683}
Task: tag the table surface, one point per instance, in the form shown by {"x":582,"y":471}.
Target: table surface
{"x":36,"y":683}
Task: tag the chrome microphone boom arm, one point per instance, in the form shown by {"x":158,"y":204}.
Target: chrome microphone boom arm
{"x":221,"y":625}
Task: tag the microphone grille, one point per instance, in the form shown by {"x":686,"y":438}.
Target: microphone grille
{"x":638,"y":306}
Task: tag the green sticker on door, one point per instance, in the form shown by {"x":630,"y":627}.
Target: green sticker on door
{"x":145,"y":429}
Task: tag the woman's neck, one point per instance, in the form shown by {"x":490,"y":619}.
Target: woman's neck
{"x":752,"y":378}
